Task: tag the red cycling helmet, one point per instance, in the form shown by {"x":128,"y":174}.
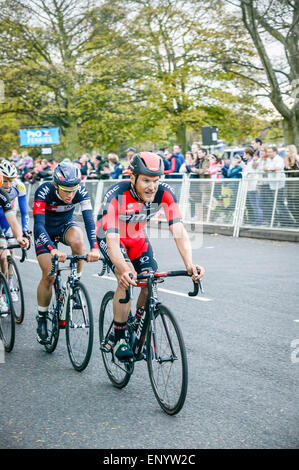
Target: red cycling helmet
{"x":147,"y":163}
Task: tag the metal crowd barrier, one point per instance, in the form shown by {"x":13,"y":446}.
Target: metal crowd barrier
{"x":255,"y":201}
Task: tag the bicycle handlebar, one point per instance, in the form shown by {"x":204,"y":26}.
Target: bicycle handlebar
{"x":55,"y":262}
{"x":128,"y":293}
{"x":143,"y":276}
{"x":12,"y":247}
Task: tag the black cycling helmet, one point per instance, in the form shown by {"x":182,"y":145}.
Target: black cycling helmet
{"x":66,"y":174}
{"x":146,"y":163}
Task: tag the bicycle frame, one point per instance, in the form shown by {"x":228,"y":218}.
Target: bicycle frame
{"x":64,"y":293}
{"x":152,"y":303}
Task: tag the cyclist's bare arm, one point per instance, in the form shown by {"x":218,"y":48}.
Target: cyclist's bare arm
{"x":183,"y":244}
{"x":123,"y":268}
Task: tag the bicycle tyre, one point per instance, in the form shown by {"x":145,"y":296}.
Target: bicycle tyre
{"x":52,"y":325}
{"x":7,"y":317}
{"x":117,"y":372}
{"x":81,"y":323}
{"x":166,"y":361}
{"x":17,"y":283}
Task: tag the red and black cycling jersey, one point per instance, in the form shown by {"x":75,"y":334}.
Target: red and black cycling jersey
{"x":123,"y":213}
{"x":51,"y":214}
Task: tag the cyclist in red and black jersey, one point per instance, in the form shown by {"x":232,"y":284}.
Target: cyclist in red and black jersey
{"x":127,"y":207}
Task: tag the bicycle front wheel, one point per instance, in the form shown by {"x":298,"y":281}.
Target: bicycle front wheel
{"x":118,"y":372}
{"x":7,"y":316}
{"x":16,"y":290}
{"x":167,"y":361}
{"x":52,"y":324}
{"x":79,"y":328}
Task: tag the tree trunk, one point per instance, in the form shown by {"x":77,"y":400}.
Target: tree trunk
{"x":291,"y":131}
{"x":181,"y":137}
{"x":71,"y":140}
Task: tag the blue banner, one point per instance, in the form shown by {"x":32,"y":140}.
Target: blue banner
{"x":43,"y":136}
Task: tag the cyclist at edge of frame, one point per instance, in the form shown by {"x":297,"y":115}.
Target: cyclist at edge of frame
{"x":54,"y":204}
{"x":15,"y":189}
{"x":12,"y":221}
{"x":127,"y":208}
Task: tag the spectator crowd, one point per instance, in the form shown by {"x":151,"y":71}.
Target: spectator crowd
{"x":260,"y":164}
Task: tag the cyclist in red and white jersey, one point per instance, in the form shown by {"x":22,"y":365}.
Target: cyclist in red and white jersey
{"x":127,"y":208}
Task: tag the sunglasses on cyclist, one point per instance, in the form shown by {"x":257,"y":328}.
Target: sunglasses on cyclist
{"x":8,"y":180}
{"x":68,"y":190}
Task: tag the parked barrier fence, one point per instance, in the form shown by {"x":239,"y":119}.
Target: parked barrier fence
{"x":253,"y":202}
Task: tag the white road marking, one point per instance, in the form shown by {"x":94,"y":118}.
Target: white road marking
{"x":27,"y":259}
{"x":167,"y":291}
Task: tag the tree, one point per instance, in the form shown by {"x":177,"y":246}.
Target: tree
{"x":116,"y":72}
{"x":277,"y":21}
{"x":43,"y":66}
{"x":185,"y":82}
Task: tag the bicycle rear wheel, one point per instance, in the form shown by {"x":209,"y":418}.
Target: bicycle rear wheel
{"x":16,"y":289}
{"x":167,"y":361}
{"x":79,"y":328}
{"x":118,"y":372}
{"x":7,"y":316}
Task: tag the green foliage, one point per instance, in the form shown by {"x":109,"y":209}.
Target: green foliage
{"x":147,"y":73}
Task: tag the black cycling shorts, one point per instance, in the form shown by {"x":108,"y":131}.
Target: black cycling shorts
{"x":57,"y":234}
{"x":138,"y":251}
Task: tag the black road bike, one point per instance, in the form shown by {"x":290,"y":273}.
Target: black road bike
{"x":7,"y":315}
{"x":71,"y":310}
{"x":158,"y":340}
{"x":15,"y":283}
{"x":9,"y":312}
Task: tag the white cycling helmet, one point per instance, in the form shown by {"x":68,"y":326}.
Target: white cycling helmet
{"x":8,"y":169}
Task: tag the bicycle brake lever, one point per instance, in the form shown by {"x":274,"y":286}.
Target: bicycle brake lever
{"x":54,"y":265}
{"x":104,"y":268}
{"x":128,"y":294}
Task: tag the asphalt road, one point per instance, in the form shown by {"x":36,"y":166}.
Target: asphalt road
{"x":243,"y":365}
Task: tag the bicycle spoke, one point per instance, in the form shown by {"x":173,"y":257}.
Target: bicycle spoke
{"x":168,"y":366}
{"x":16,"y":290}
{"x":7,"y":322}
{"x":118,"y":373}
{"x":79,"y":329}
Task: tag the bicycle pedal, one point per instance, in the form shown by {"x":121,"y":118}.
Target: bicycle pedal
{"x":126,"y":361}
{"x":42,"y":341}
{"x":107,"y":348}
